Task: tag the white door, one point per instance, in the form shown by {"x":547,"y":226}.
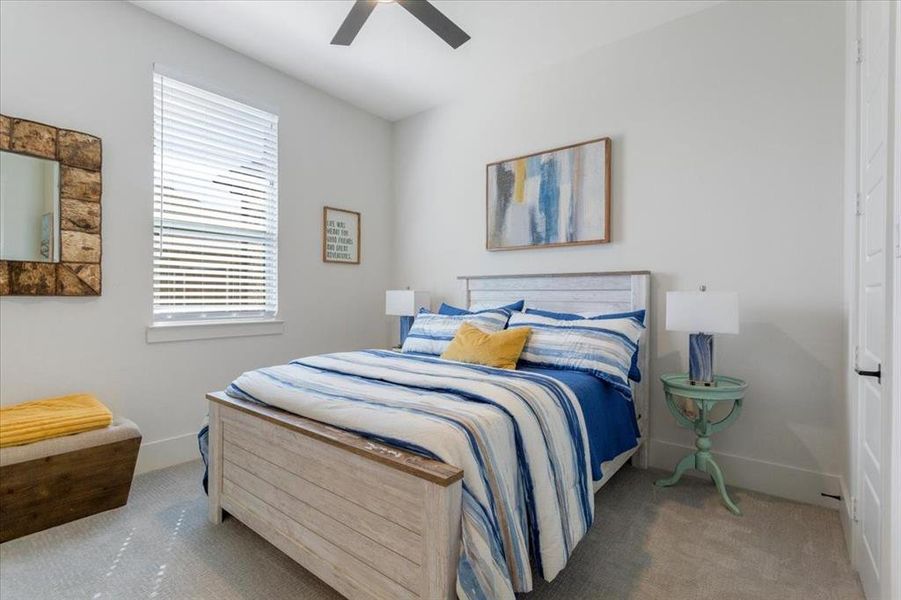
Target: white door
{"x":873,"y":410}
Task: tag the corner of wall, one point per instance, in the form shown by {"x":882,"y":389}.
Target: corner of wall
{"x":846,"y":514}
{"x":167,"y":453}
{"x":849,"y":268}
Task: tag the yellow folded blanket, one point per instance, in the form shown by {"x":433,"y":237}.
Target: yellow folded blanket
{"x":52,"y":417}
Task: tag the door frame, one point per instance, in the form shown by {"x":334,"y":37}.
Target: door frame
{"x":895,"y":392}
{"x":891,"y":577}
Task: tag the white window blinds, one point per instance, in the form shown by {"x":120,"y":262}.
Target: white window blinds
{"x":215,"y":207}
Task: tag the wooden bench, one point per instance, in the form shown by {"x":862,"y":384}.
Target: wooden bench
{"x":55,"y":481}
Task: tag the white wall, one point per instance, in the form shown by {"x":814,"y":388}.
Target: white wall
{"x":88,"y":66}
{"x":727,"y":170}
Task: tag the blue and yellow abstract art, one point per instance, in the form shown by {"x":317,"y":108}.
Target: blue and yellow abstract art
{"x":559,"y":197}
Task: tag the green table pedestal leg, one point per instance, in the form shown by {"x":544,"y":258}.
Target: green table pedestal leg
{"x":702,"y":459}
{"x":716,"y":474}
{"x":688,"y":462}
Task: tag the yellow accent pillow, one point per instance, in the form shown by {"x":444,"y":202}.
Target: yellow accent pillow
{"x":500,"y":349}
{"x":53,"y":417}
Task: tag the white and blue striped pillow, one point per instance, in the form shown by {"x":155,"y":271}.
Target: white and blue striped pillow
{"x":602,"y":347}
{"x":431,"y":333}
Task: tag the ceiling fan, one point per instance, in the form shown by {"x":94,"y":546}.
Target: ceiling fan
{"x":423,"y":10}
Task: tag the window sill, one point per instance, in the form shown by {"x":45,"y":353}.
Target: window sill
{"x":201,"y":330}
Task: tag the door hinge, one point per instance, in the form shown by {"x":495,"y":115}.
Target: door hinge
{"x":859,"y":58}
{"x":858,"y":205}
{"x":854,"y":509}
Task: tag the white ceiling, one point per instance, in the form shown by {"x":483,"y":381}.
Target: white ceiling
{"x":396,"y":67}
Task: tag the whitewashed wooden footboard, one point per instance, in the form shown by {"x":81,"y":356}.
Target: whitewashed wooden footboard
{"x":372,"y":521}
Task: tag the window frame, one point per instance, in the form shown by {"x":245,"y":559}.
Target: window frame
{"x":201,"y":324}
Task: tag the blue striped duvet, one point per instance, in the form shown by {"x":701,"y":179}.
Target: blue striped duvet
{"x":519,"y":437}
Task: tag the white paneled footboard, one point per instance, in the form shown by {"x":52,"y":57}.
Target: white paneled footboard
{"x":372,"y":521}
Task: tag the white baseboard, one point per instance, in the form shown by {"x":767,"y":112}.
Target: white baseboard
{"x":775,"y":479}
{"x":166,"y":453}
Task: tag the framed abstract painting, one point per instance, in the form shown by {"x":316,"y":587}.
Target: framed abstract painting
{"x":559,"y":197}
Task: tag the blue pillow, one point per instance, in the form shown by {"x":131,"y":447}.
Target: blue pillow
{"x":638,"y":314}
{"x":634,"y":371}
{"x":447,"y":309}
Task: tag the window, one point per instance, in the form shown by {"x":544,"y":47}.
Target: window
{"x":215,"y":206}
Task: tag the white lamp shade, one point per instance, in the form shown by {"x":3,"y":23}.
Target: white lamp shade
{"x":405,"y":303}
{"x":702,"y":312}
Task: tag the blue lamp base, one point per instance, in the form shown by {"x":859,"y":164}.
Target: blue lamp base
{"x":700,"y":359}
{"x":405,"y":324}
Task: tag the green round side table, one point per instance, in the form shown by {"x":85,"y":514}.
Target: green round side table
{"x":727,"y":389}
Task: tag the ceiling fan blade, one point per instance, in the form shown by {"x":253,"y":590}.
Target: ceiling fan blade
{"x":354,"y":20}
{"x":435,"y":20}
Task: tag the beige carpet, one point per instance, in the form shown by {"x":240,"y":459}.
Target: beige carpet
{"x":647,"y":543}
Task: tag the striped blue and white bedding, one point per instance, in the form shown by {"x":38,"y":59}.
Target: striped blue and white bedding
{"x":602,"y":347}
{"x":519,"y":437}
{"x":432,"y":333}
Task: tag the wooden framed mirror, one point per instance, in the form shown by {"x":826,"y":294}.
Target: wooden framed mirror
{"x":50,"y":210}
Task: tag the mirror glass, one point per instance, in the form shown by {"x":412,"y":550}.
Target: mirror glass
{"x":29,"y":208}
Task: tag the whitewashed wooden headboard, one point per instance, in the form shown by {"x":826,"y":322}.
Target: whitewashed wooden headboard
{"x":579,"y":292}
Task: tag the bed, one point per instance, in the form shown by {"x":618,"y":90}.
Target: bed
{"x":377,"y":516}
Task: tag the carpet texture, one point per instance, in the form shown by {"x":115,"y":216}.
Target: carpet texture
{"x":646,"y":543}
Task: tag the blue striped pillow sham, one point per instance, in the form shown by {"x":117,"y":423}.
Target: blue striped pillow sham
{"x":634,"y":371}
{"x":602,"y":347}
{"x":431,"y":333}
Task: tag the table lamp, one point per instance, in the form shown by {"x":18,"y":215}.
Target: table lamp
{"x":405,"y":304}
{"x":702,"y":314}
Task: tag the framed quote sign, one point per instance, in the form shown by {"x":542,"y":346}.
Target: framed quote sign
{"x":340,"y":236}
